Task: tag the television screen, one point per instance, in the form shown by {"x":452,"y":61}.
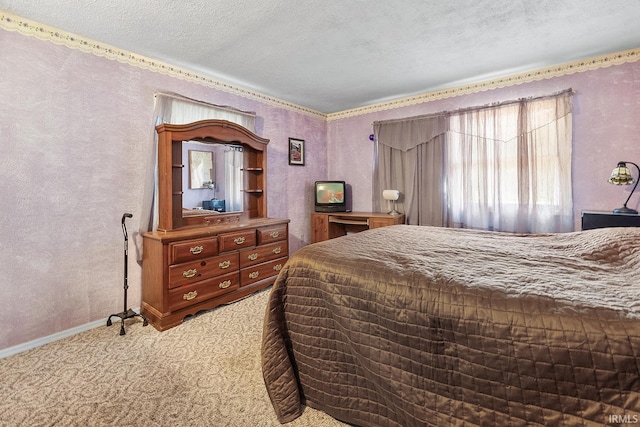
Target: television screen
{"x":330,"y":196}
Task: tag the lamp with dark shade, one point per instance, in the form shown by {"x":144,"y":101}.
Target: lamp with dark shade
{"x":621,"y":175}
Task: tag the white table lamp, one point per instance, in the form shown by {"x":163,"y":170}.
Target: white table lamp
{"x":392,"y":195}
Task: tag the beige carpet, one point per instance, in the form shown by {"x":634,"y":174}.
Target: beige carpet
{"x":205,"y":372}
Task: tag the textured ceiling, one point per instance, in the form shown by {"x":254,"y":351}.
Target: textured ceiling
{"x":335,"y":55}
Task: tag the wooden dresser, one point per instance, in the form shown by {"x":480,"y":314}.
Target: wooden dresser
{"x":199,"y":259}
{"x":325,"y":226}
{"x":190,"y":270}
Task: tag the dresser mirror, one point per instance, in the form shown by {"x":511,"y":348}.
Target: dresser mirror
{"x":214,"y":174}
{"x":179,"y":206}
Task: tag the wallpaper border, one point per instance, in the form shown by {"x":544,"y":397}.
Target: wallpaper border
{"x":27,"y":27}
{"x":594,"y":63}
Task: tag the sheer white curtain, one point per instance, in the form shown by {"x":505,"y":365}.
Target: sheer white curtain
{"x":508,"y":168}
{"x":176,"y":109}
{"x":233,"y":158}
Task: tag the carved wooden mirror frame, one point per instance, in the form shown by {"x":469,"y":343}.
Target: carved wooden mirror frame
{"x":170,"y":138}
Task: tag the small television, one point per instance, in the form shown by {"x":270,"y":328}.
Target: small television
{"x":330,"y":196}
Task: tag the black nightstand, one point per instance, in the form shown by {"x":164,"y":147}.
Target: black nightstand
{"x":594,"y":219}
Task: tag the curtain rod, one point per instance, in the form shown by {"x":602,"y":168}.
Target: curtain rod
{"x":203,"y":103}
{"x":483,"y":107}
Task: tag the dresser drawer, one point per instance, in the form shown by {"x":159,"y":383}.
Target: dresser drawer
{"x":260,"y":254}
{"x":194,"y":293}
{"x":272,"y":234}
{"x":259,"y":272}
{"x":190,"y":272}
{"x":193,"y":249}
{"x":237,"y":240}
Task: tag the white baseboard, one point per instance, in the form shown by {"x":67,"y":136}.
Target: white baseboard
{"x":54,"y":337}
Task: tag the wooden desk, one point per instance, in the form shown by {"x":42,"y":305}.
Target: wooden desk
{"x":326,"y":226}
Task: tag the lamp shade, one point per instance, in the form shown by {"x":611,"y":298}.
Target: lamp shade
{"x":390,"y":194}
{"x":621,"y":175}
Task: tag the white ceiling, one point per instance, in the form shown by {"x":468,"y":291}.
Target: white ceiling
{"x":335,"y":55}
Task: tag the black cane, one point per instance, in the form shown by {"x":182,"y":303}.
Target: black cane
{"x":126,"y":258}
{"x":127,"y":313}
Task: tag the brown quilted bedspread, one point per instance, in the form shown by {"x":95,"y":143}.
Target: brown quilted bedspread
{"x":414,"y":326}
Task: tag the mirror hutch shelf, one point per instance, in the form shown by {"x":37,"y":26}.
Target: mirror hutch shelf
{"x":199,"y":259}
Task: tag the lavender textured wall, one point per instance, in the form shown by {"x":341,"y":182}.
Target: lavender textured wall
{"x":606,"y":128}
{"x":76,"y":132}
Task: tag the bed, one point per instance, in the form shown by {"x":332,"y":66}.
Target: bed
{"x":427,"y":326}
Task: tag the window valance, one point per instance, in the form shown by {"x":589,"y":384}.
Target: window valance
{"x":405,"y":134}
{"x":178,"y":109}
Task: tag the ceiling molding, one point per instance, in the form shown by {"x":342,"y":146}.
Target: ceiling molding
{"x":30,"y":28}
{"x":512,"y":80}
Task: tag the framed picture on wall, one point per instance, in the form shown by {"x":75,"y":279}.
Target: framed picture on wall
{"x":296,"y":151}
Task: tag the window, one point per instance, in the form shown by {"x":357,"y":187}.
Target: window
{"x":503,"y":167}
{"x":509,"y":168}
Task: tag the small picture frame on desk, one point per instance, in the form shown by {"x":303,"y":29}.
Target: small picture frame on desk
{"x":296,"y":152}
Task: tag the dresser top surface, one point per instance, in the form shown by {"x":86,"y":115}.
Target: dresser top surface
{"x":211,"y":230}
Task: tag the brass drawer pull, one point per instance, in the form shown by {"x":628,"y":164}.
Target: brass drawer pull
{"x":238,"y":240}
{"x":277,"y":267}
{"x":224,"y":264}
{"x":254,"y":275}
{"x":253,"y":256}
{"x":196,"y":250}
{"x":190,"y":295}
{"x":225,"y":284}
{"x":277,"y":250}
{"x":274,"y":234}
{"x":188,"y":274}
